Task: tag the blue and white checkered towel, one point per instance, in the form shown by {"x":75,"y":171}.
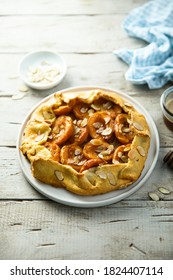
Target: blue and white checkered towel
{"x":153,"y":64}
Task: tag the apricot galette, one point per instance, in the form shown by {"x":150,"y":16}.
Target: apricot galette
{"x":90,"y":143}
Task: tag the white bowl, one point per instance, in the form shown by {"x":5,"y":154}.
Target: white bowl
{"x":38,"y":58}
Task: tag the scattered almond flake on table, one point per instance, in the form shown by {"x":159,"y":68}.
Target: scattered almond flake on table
{"x":153,"y":196}
{"x":164,"y":190}
{"x":5,"y":93}
{"x":13,"y":77}
{"x":23,"y":88}
{"x":19,"y":95}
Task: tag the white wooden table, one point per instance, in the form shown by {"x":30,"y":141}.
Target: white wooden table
{"x":85,"y":32}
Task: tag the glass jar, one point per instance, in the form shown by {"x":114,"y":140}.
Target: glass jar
{"x":166,"y":103}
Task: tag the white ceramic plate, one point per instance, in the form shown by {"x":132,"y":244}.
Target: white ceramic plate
{"x":65,"y":197}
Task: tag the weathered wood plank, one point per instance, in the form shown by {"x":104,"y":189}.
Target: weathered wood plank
{"x":73,"y":7}
{"x":14,"y":186}
{"x":45,"y":229}
{"x":13,"y":183}
{"x":82,"y":34}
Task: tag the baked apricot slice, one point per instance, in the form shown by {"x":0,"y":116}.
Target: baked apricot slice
{"x":54,"y":149}
{"x":64,"y":108}
{"x":100,"y":125}
{"x":72,"y":155}
{"x":97,"y":148}
{"x":91,"y":163}
{"x":82,"y":110}
{"x":62,"y":129}
{"x":122,"y":129}
{"x":121,"y":154}
{"x":80,"y":132}
{"x":103,"y":104}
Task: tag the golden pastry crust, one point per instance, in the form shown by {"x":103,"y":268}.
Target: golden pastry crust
{"x":88,"y":143}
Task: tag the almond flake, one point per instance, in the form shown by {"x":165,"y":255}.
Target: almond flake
{"x":132,"y":153}
{"x":13,"y":77}
{"x":108,"y":105}
{"x":126,"y":149}
{"x":37,"y":78}
{"x":84,"y":122}
{"x":83,"y":110}
{"x":79,"y":122}
{"x":106,"y":131}
{"x":43,"y":73}
{"x":138,"y":126}
{"x":47,"y":115}
{"x":127,"y":104}
{"x":153,"y":196}
{"x":164,"y":190}
{"x":99,"y":149}
{"x":120,"y":154}
{"x":105,"y":153}
{"x":81,"y":162}
{"x":129,"y":121}
{"x":111,"y":179}
{"x":59,"y":175}
{"x":77,"y":152}
{"x":70,"y":161}
{"x":39,"y":118}
{"x":124,"y":159}
{"x":19,"y":95}
{"x":107,"y":120}
{"x":66,"y":99}
{"x":120,"y":127}
{"x":90,"y":112}
{"x":97,"y":124}
{"x":76,"y":130}
{"x":23,"y":88}
{"x":109,"y":150}
{"x":96,"y":142}
{"x":114,"y":161}
{"x":141,"y":150}
{"x":95,"y":107}
{"x":101,"y":174}
{"x":125,"y":129}
{"x":39,"y":137}
{"x":44,"y":62}
{"x":100,"y":130}
{"x":101,"y":155}
{"x":76,"y":160}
